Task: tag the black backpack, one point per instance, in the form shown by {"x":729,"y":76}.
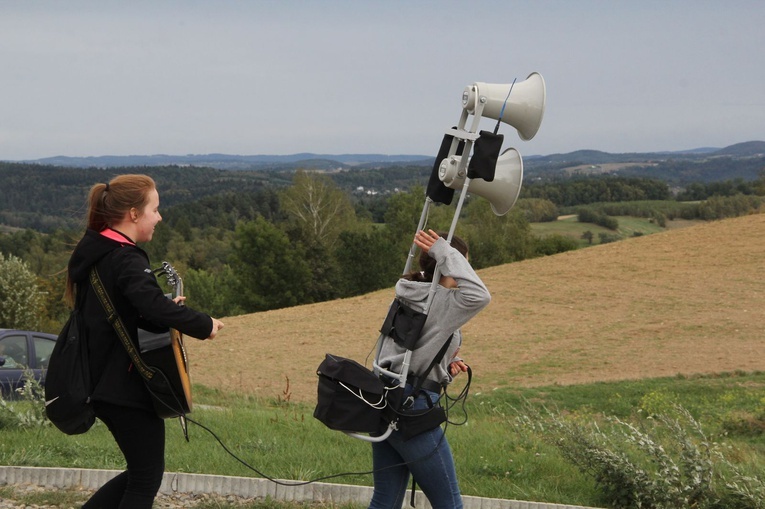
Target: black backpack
{"x":67,"y":381}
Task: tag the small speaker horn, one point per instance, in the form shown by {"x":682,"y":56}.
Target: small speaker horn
{"x":502,"y":192}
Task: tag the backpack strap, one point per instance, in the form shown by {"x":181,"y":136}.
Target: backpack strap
{"x":111,"y":314}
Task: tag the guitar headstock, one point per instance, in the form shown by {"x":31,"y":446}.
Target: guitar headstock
{"x":173,"y":279}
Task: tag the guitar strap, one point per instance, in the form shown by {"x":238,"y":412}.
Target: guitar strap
{"x":111,"y":314}
{"x":158,"y":386}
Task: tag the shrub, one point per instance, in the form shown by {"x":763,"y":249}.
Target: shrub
{"x":606,"y":238}
{"x":28,"y":411}
{"x":20,"y":298}
{"x":667,"y":462}
{"x":588,"y":215}
{"x":554,"y":244}
{"x":538,"y":210}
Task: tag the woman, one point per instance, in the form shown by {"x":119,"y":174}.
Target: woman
{"x":458,"y":297}
{"x":120,"y":214}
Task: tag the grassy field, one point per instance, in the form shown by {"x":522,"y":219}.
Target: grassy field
{"x":495,"y":455}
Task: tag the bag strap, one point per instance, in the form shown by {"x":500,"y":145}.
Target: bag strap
{"x":421,"y":378}
{"x":111,"y":314}
{"x":410,"y":400}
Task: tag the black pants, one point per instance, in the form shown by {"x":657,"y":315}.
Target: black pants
{"x":140,"y":435}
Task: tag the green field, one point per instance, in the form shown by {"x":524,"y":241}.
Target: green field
{"x":569,"y":226}
{"x":501,"y":452}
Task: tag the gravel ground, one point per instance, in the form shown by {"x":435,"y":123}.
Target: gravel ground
{"x":173,"y":501}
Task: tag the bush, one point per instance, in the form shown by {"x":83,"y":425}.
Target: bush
{"x":28,"y":411}
{"x":20,"y":299}
{"x":587,"y":215}
{"x":554,"y":244}
{"x":666,"y":462}
{"x":606,"y":238}
{"x":538,"y":210}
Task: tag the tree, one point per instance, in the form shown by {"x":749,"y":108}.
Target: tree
{"x":403,"y":214}
{"x":759,"y":184}
{"x":370,"y":262}
{"x":496,"y":240}
{"x":20,"y":298}
{"x":538,"y":210}
{"x":272,"y":271}
{"x":318,"y":208}
{"x":216,"y":294}
{"x":549,"y":245}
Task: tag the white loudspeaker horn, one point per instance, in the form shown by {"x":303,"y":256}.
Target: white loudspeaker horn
{"x":502,"y":192}
{"x":525,"y":105}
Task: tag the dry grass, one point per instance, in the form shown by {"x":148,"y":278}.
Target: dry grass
{"x":685,"y":301}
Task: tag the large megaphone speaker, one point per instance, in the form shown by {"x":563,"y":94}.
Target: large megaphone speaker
{"x":502,"y":192}
{"x":523,"y":108}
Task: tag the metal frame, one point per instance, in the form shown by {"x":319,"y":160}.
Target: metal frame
{"x":469,"y":137}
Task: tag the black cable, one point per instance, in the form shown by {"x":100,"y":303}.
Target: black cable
{"x":461,"y":398}
{"x":184,"y":417}
{"x":450,"y":403}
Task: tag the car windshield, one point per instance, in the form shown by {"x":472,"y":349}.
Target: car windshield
{"x":13,"y":348}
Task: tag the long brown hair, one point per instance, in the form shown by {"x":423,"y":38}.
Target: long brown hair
{"x":428,"y":263}
{"x":108,"y":204}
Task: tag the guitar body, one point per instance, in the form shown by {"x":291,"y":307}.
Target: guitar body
{"x":171,"y":391}
{"x":165,"y":354}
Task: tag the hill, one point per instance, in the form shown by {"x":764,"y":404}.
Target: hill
{"x":740,"y":161}
{"x":235,"y":162}
{"x":347,"y":161}
{"x":681,"y":302}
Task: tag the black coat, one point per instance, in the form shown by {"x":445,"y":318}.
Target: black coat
{"x":139,"y":300}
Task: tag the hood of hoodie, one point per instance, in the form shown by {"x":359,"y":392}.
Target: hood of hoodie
{"x":413,"y":293}
{"x":92,"y":247}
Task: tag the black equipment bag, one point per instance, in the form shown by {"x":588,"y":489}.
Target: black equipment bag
{"x":350,"y":397}
{"x":403,"y":324}
{"x":485,"y":155}
{"x":436,"y":189}
{"x":67,"y":381}
{"x":412,"y":423}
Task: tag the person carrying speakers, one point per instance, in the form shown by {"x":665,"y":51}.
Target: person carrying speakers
{"x":120,"y":214}
{"x":459,"y":296}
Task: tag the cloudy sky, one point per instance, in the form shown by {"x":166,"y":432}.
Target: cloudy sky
{"x":89,"y":78}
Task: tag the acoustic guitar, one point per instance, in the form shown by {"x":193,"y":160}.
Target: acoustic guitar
{"x":164,"y":352}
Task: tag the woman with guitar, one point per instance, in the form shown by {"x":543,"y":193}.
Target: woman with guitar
{"x":120,"y":214}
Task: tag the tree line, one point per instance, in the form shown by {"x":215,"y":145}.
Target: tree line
{"x":46,"y":198}
{"x":265,"y":247}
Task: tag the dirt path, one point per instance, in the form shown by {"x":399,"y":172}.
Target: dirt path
{"x":683,"y":301}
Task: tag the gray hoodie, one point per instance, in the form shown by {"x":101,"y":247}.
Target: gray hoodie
{"x":449,"y":310}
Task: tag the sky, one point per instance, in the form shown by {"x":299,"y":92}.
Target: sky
{"x":140,"y":77}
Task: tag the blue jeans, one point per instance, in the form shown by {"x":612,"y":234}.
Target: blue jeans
{"x":427,"y":457}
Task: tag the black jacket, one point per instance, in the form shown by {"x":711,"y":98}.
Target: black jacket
{"x":139,"y":300}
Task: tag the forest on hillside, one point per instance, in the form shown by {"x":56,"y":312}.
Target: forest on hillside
{"x":242,"y":241}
